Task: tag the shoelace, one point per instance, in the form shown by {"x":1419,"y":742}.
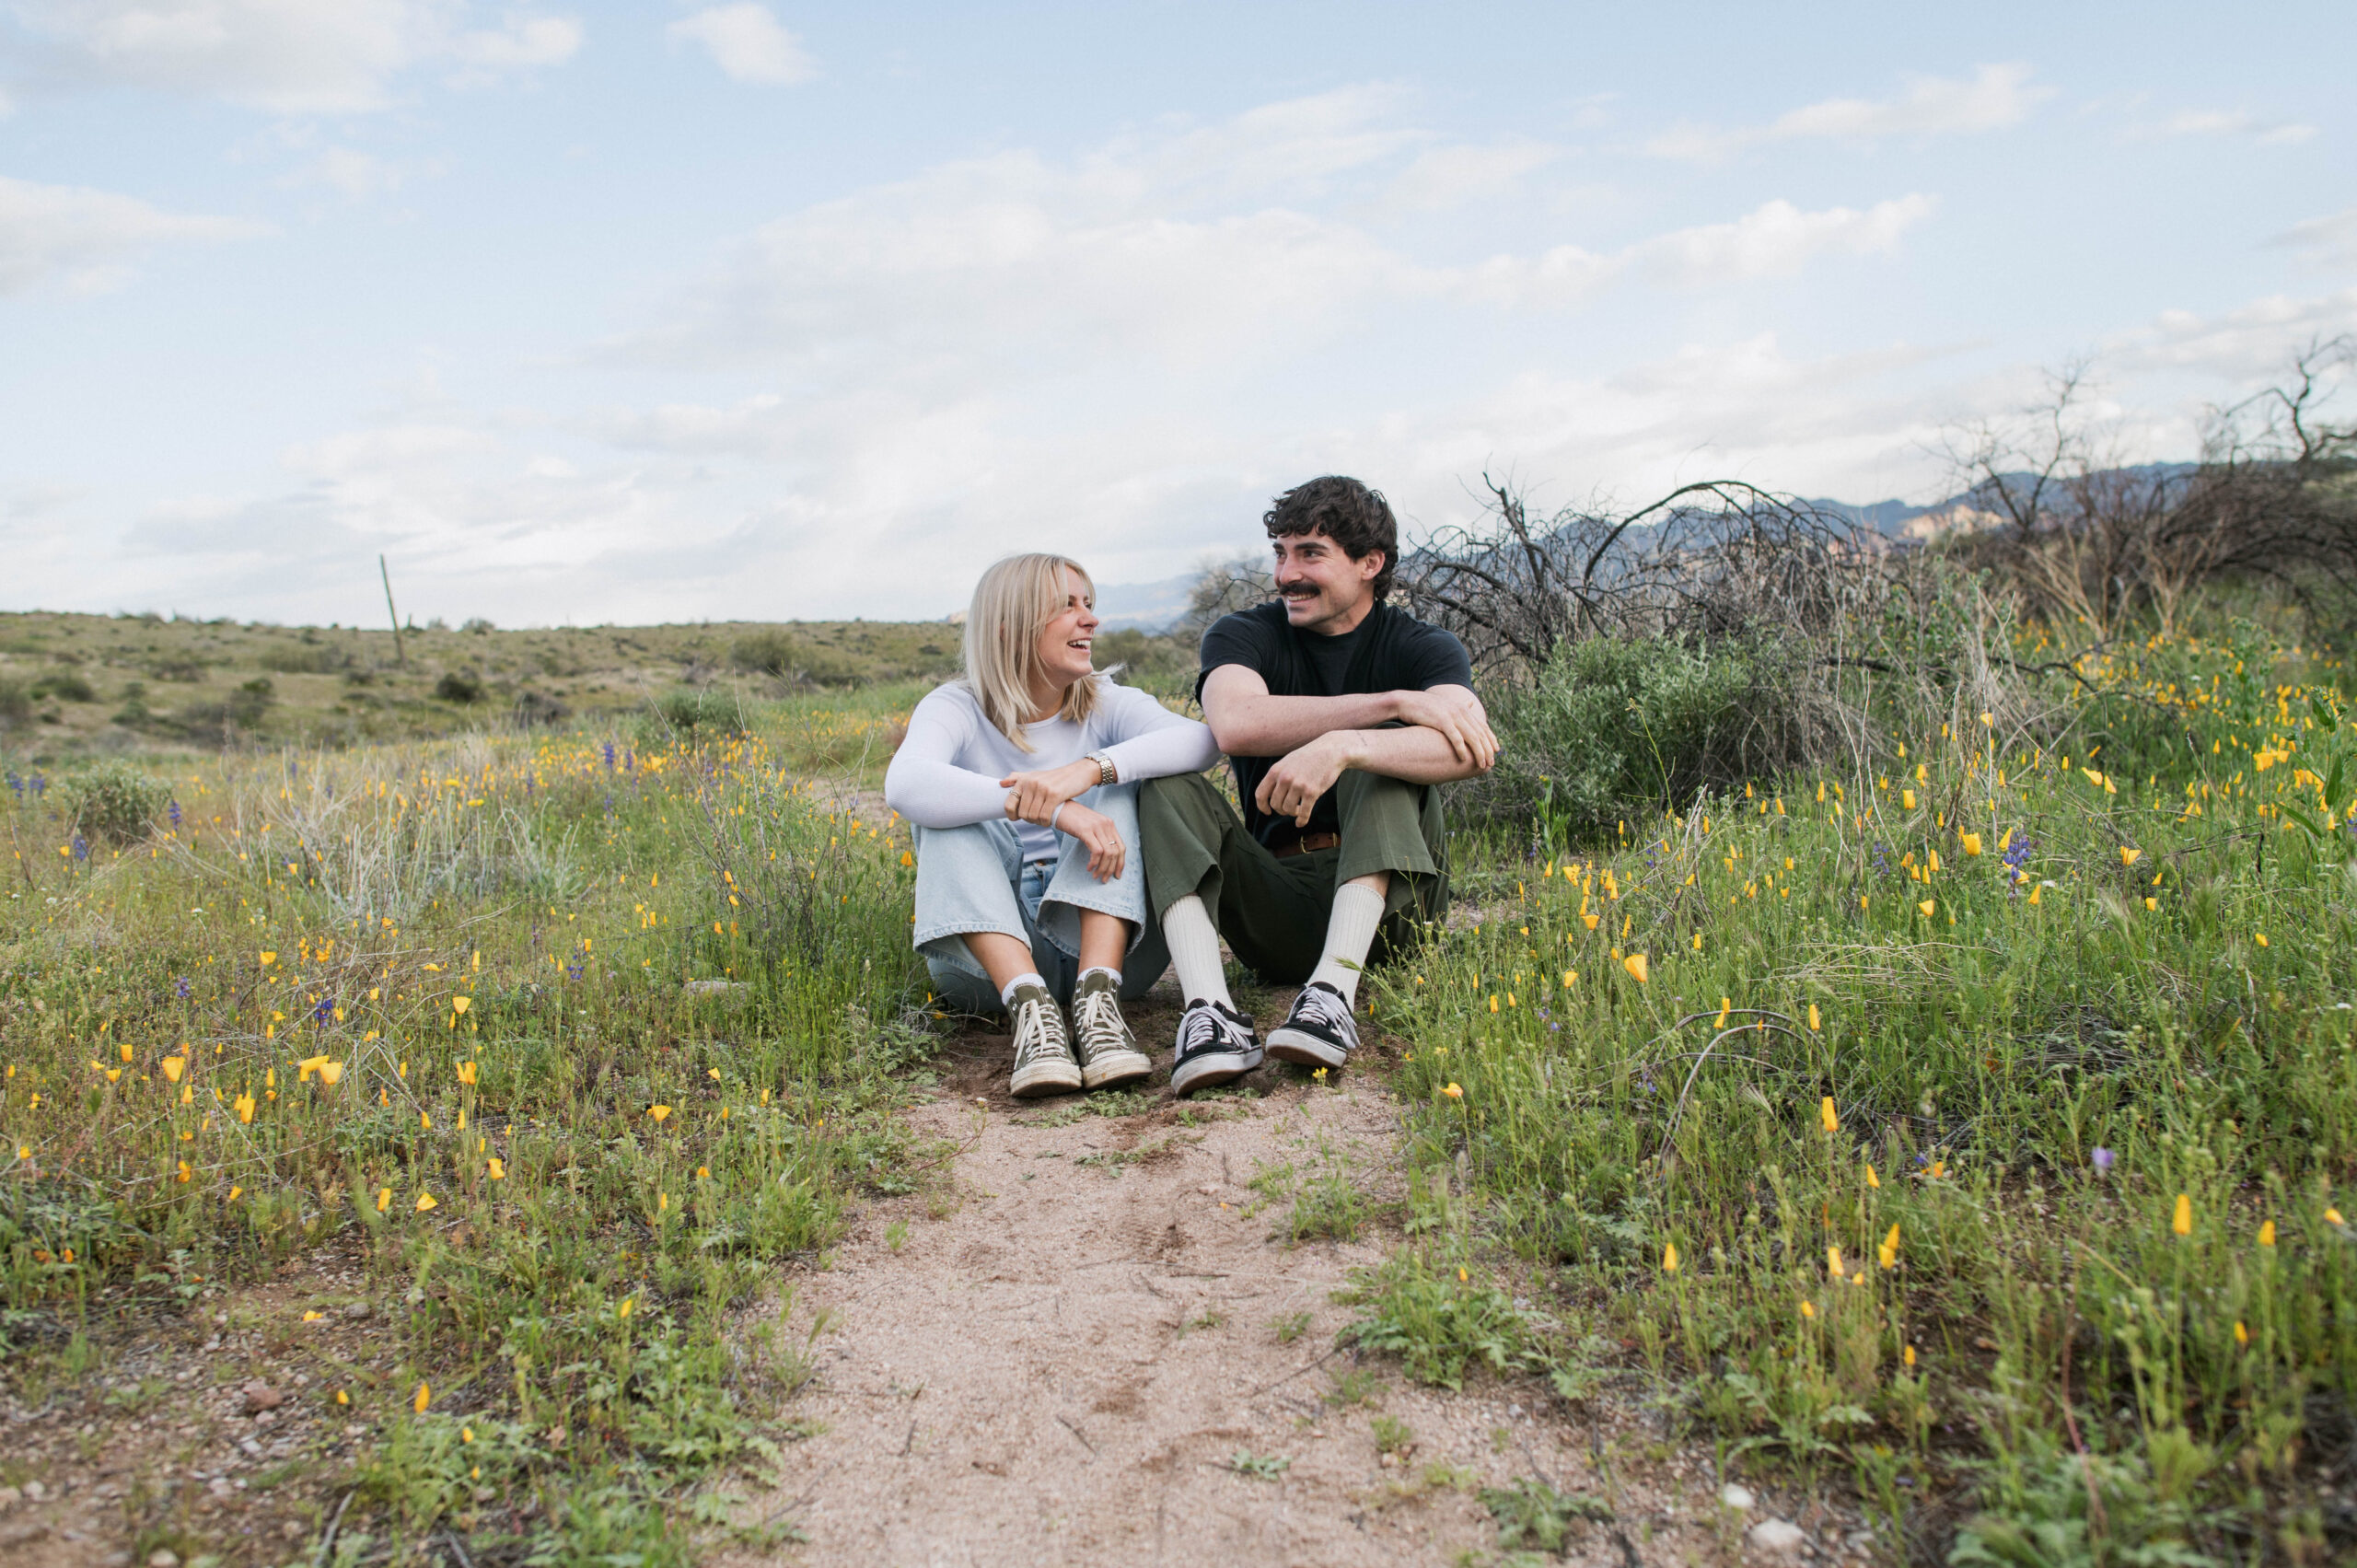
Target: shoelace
{"x":1100,"y":1012}
{"x":1032,"y":1035}
{"x":1202,"y":1027}
{"x":1325,"y":1010}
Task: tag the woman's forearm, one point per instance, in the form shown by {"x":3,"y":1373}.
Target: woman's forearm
{"x":1185,"y":746}
{"x":942,"y":795}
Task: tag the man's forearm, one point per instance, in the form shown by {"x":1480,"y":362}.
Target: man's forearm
{"x":1272,"y":726}
{"x":1414,"y":755}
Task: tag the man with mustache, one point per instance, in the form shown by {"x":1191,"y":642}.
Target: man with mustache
{"x":1340,"y":715}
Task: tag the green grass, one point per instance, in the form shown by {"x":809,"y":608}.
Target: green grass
{"x":1859,"y":1091}
{"x":424,"y":1009}
{"x":486,"y":942}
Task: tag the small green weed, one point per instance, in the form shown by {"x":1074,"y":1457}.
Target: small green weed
{"x":2039,"y":1510}
{"x":1533,"y":1516}
{"x":1258,"y":1467}
{"x":1428,"y":1310}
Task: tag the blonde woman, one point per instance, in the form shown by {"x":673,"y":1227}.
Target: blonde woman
{"x":1021,"y":781}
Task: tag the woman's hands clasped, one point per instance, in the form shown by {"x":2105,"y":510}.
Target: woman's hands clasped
{"x":1035,"y":797}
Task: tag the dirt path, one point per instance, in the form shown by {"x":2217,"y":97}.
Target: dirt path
{"x":1101,"y":1355}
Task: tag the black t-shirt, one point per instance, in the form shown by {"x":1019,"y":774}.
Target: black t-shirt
{"x":1389,"y":651}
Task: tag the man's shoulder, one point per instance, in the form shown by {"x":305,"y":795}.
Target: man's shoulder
{"x":1259,"y":620}
{"x":1404,"y":625}
{"x":1244,"y":632}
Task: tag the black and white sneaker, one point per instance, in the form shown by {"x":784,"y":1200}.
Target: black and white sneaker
{"x":1217,"y":1045}
{"x":1319,"y":1031}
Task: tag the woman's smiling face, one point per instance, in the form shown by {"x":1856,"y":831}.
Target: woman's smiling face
{"x":1067,"y":642}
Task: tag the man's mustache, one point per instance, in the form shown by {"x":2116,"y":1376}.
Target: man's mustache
{"x":1297,"y":590}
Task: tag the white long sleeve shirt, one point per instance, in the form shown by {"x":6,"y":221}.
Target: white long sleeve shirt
{"x":945,"y":773}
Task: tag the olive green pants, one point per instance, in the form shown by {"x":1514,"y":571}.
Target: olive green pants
{"x":1273,"y":911}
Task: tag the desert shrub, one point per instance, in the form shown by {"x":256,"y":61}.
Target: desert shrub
{"x":16,"y":702}
{"x":304,"y":658}
{"x":689,"y":716}
{"x":114,"y":803}
{"x":184,"y":669}
{"x":775,"y":651}
{"x":479,"y":626}
{"x":242,"y":712}
{"x":135,"y":712}
{"x":458,"y":686}
{"x":1612,"y":728}
{"x":68,"y":685}
{"x":535,"y":708}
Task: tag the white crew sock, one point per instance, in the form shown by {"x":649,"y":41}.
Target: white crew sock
{"x":1112,"y":974}
{"x":1349,"y":931}
{"x":1194,"y":952}
{"x":1007,"y":997}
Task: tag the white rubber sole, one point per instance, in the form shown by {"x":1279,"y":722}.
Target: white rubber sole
{"x":1213,"y":1068}
{"x":1046,"y":1078}
{"x":1307,"y":1049}
{"x":1117,"y":1067}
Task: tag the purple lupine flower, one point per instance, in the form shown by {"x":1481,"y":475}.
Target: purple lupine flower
{"x":173,"y":812}
{"x":609,"y":756}
{"x":319,"y":1014}
{"x":81,"y":847}
{"x":2101,"y":1159}
{"x":181,"y":989}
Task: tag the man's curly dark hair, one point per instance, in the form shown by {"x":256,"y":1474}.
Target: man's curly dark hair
{"x":1352,"y":515}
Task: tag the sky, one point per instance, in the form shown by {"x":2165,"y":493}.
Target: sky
{"x":677,"y":311}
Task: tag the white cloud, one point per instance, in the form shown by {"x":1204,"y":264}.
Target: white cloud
{"x":1221,"y":244}
{"x":289,"y":57}
{"x":935,"y":487}
{"x":748,"y":43}
{"x":2253,"y":343}
{"x":1294,"y":150}
{"x":1448,"y":176}
{"x":35,"y":499}
{"x":354,"y":173}
{"x":1777,"y":239}
{"x":2329,"y":241}
{"x":2226,"y":123}
{"x":88,"y":238}
{"x":1774,"y":240}
{"x":522,"y":44}
{"x":1996,"y":96}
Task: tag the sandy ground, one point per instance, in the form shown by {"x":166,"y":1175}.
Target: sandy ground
{"x":1061,"y":1357}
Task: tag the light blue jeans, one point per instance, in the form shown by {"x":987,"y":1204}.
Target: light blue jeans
{"x":974,"y":879}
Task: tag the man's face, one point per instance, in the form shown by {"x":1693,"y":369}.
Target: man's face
{"x":1324,"y":590}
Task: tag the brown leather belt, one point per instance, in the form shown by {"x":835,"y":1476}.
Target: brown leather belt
{"x":1308,"y":843}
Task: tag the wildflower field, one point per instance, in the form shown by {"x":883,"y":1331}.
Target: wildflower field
{"x":446,"y":1105}
{"x":1967,"y":1129}
{"x":1977,"y":1124}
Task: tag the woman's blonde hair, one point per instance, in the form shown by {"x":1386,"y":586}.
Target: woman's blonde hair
{"x":1017,"y":597}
